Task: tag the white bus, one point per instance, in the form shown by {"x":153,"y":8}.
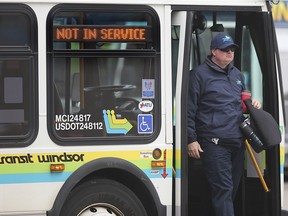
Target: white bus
{"x":280,"y":12}
{"x":93,"y":105}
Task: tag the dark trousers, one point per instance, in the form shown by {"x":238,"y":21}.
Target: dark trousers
{"x":223,"y":166}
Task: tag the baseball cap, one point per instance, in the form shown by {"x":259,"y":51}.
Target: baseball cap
{"x":221,"y":41}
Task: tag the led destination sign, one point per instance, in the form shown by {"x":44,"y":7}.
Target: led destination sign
{"x":100,"y":33}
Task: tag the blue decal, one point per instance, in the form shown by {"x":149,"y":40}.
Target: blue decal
{"x":145,"y":123}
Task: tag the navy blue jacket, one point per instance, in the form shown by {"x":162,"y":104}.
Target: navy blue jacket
{"x":214,"y":103}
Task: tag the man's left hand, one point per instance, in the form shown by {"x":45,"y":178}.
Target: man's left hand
{"x":256,"y":104}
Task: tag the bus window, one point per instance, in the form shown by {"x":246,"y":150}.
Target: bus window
{"x":251,"y":67}
{"x":104,"y":72}
{"x":18,"y":60}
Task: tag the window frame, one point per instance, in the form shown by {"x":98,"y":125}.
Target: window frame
{"x":26,"y":52}
{"x":82,"y":53}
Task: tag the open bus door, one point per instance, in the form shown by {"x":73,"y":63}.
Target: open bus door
{"x":252,"y":29}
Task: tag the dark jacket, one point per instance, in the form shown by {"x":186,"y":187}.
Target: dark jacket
{"x":214,"y":103}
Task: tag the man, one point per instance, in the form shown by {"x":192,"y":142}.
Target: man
{"x":214,"y":116}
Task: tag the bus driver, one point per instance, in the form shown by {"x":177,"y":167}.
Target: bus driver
{"x":214,"y":116}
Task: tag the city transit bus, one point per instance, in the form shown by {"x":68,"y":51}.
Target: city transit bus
{"x":93,"y":105}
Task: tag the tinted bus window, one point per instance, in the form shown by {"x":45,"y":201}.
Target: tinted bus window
{"x":18,"y":72}
{"x":104,"y":74}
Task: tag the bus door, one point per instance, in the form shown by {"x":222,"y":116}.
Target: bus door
{"x":178,"y":30}
{"x":252,"y":29}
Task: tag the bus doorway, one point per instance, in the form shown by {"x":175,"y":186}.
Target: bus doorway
{"x":251,"y":28}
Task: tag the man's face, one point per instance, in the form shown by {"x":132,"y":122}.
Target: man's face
{"x":223,"y":57}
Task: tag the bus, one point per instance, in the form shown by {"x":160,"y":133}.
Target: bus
{"x":93,"y":105}
{"x":279,"y":12}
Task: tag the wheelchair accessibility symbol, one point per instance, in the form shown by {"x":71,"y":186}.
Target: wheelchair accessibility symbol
{"x":145,"y":123}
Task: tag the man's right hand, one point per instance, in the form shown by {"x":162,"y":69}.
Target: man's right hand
{"x":194,"y":150}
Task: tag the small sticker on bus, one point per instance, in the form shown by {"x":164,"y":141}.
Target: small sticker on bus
{"x":145,"y":106}
{"x":145,"y":123}
{"x":114,"y":125}
{"x":155,"y":172}
{"x":146,"y":154}
{"x":148,"y":88}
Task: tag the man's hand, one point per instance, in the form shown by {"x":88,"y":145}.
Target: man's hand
{"x":194,"y":150}
{"x":256,"y":104}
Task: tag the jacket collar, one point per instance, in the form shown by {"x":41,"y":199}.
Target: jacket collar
{"x":214,"y":66}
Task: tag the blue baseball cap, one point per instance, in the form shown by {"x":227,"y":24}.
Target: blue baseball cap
{"x":221,"y":41}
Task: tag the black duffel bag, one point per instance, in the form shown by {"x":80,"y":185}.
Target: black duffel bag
{"x":263,"y":127}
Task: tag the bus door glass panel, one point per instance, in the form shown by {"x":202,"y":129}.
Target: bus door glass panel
{"x":250,"y":66}
{"x":106,"y":88}
{"x":259,"y":67}
{"x":175,"y":33}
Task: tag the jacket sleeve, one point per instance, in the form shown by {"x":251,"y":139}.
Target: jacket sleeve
{"x":243,"y":81}
{"x":194,"y":94}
